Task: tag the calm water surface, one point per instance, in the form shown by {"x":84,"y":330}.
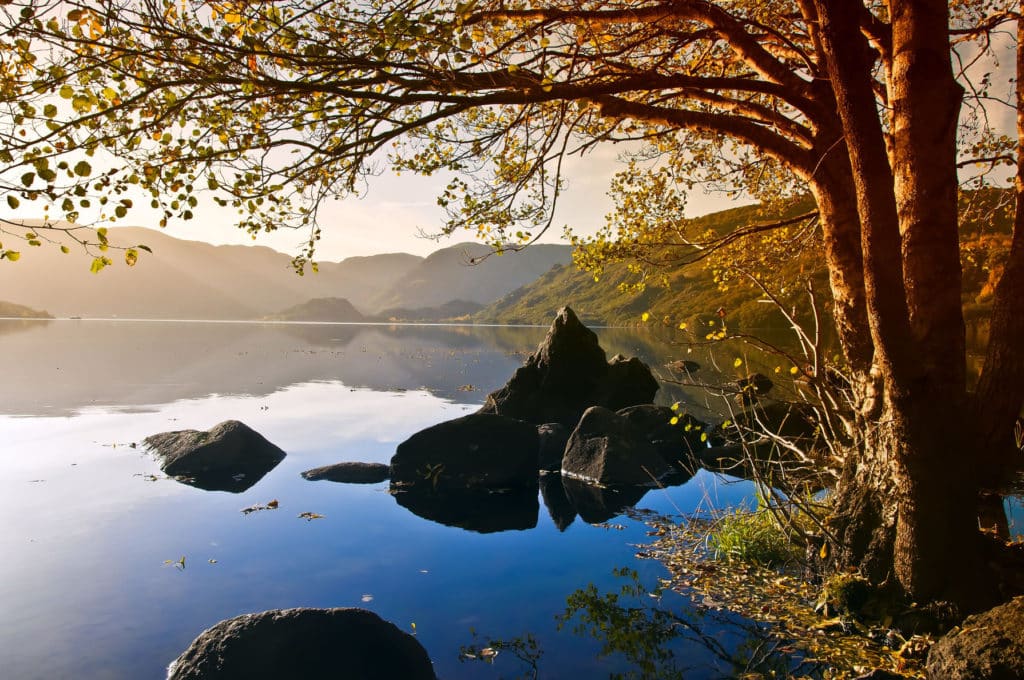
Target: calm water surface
{"x":90,"y":529}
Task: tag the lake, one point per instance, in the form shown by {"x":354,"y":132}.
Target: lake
{"x":110,"y":569}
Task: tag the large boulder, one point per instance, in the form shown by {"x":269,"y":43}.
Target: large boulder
{"x":479,"y":450}
{"x":607,"y":449}
{"x":230,"y":456}
{"x":312,"y":644}
{"x":350,"y":473}
{"x":679,"y":443}
{"x":986,"y":646}
{"x":569,"y":373}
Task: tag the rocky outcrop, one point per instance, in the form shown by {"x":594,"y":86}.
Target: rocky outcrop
{"x":568,"y":374}
{"x":480,"y":450}
{"x":311,"y":644}
{"x":230,"y":456}
{"x":350,"y":473}
{"x":986,"y":646}
{"x":606,"y":449}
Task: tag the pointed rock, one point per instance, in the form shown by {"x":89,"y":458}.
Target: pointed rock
{"x":568,"y":374}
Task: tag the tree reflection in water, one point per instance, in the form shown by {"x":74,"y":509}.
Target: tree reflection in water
{"x":654,"y":634}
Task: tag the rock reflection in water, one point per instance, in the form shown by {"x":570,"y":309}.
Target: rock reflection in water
{"x":481,"y":511}
{"x":560,"y":508}
{"x":595,"y":504}
{"x":234,"y":481}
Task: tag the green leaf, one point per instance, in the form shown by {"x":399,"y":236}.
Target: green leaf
{"x":120,"y":211}
{"x":131,"y":256}
{"x":11,"y":255}
{"x":50,"y":110}
{"x":98,"y":263}
{"x":28,"y":178}
{"x":146,"y":248}
{"x":83,"y":169}
{"x":65,"y":250}
{"x":66,"y":92}
{"x":13,"y":201}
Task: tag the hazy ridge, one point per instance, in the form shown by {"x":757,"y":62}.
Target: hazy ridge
{"x":196,"y":280}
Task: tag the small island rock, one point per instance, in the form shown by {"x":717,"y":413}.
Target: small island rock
{"x":312,"y":644}
{"x":230,"y":456}
{"x":350,"y":473}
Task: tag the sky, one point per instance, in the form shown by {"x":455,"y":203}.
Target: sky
{"x":395,"y":212}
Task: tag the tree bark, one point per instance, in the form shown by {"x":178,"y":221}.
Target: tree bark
{"x":907,"y":503}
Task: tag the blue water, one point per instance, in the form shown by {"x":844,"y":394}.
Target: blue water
{"x":91,"y":582}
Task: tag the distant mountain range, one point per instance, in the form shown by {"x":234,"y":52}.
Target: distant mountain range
{"x":195,"y":280}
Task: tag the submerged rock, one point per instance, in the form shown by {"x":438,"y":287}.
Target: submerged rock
{"x":230,"y":456}
{"x":350,"y":473}
{"x":312,"y":644}
{"x":606,"y":449}
{"x":987,"y":646}
{"x":569,"y":373}
{"x":475,"y":451}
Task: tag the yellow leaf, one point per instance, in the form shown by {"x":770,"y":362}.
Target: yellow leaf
{"x":823,"y":553}
{"x":682,"y":326}
{"x":738,"y":362}
{"x":645,"y":316}
{"x":794,"y":370}
{"x":674,"y":421}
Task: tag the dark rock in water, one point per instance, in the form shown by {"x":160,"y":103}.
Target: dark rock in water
{"x":560,"y":508}
{"x":629,"y":382}
{"x":683,"y":366}
{"x":230,"y":456}
{"x":596,"y":504}
{"x":987,"y":646}
{"x":678,"y":444}
{"x":795,"y":422}
{"x":480,"y":510}
{"x":606,"y":449}
{"x":553,"y":438}
{"x":479,"y":450}
{"x":752,"y":387}
{"x":567,"y":374}
{"x":351,"y":473}
{"x":313,"y":644}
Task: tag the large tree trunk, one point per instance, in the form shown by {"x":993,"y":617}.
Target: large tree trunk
{"x":907,"y":501}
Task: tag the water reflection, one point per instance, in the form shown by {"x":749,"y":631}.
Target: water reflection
{"x":237,"y":480}
{"x":651,"y":634}
{"x":481,"y":511}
